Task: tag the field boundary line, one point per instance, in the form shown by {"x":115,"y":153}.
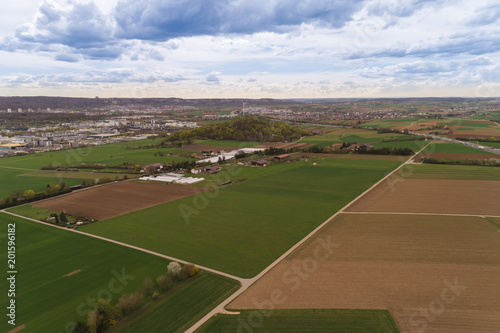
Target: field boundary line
{"x":241,"y":280}
{"x":251,"y":281}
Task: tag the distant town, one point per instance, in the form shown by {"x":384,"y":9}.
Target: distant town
{"x":88,"y":122}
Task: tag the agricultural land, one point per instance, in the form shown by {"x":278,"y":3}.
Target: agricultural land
{"x":340,"y":216}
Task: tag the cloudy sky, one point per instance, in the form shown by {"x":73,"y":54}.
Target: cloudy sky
{"x":250,"y":48}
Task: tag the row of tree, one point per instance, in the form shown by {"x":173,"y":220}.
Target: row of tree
{"x":384,"y":151}
{"x":482,"y":162}
{"x":23,"y":196}
{"x":105,"y":315}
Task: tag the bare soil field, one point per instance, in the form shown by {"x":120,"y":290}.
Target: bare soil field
{"x":196,"y":147}
{"x":433,"y":273}
{"x":443,"y":196}
{"x":476,"y":134}
{"x":285,"y":145}
{"x":456,"y":156}
{"x":115,"y":199}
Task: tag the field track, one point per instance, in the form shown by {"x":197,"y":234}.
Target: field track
{"x":398,"y":262}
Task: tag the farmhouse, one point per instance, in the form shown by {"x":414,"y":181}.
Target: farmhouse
{"x":281,"y":157}
{"x":259,"y":163}
{"x":362,"y":147}
{"x":152,"y":167}
{"x":209,"y":170}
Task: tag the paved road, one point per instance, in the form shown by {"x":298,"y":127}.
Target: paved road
{"x":465,"y":143}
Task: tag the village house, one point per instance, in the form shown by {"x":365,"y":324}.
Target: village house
{"x":259,"y":163}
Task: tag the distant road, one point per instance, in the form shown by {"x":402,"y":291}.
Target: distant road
{"x":465,"y":143}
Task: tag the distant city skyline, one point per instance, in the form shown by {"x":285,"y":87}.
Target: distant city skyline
{"x":250,"y":49}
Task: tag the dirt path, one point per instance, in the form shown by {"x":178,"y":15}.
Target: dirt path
{"x":243,"y":281}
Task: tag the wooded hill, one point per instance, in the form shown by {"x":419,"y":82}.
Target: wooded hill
{"x":243,"y":129}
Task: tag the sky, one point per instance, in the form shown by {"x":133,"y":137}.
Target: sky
{"x":250,"y":48}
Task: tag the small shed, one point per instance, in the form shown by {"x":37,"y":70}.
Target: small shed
{"x":281,"y":157}
{"x":259,"y":163}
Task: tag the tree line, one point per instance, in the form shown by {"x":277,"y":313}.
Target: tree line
{"x":105,"y":315}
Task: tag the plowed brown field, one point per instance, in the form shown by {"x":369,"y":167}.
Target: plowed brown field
{"x":115,"y":199}
{"x":433,"y":273}
{"x":447,"y":196}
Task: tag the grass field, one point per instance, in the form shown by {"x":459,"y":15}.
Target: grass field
{"x":23,"y":172}
{"x":242,"y":228}
{"x":490,"y":144}
{"x":48,"y":301}
{"x":316,"y":320}
{"x":32,"y":212}
{"x":390,"y":123}
{"x":181,"y":308}
{"x":77,"y":174}
{"x":362,"y":136}
{"x":452,"y":148}
{"x":14,"y":179}
{"x":111,"y":154}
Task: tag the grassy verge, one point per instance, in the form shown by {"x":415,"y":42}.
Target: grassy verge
{"x":453,"y":148}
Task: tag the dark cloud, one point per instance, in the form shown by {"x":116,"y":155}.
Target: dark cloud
{"x":67,"y":58}
{"x":163,"y":20}
{"x":72,"y":24}
{"x":485,"y":16}
{"x":87,"y":31}
{"x":212,"y":78}
{"x":451,"y":46}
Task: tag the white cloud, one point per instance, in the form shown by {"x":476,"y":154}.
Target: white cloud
{"x":277,"y":48}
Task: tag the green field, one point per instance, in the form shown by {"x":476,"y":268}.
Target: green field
{"x":453,"y":148}
{"x":23,"y":172}
{"x":32,"y":212}
{"x":390,"y":123}
{"x":363,"y":136}
{"x":490,"y":144}
{"x":14,"y":179}
{"x":77,"y":174}
{"x":310,"y":320}
{"x":242,"y":228}
{"x":441,"y":171}
{"x":182,"y":307}
{"x":111,"y":154}
{"x":48,"y":301}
